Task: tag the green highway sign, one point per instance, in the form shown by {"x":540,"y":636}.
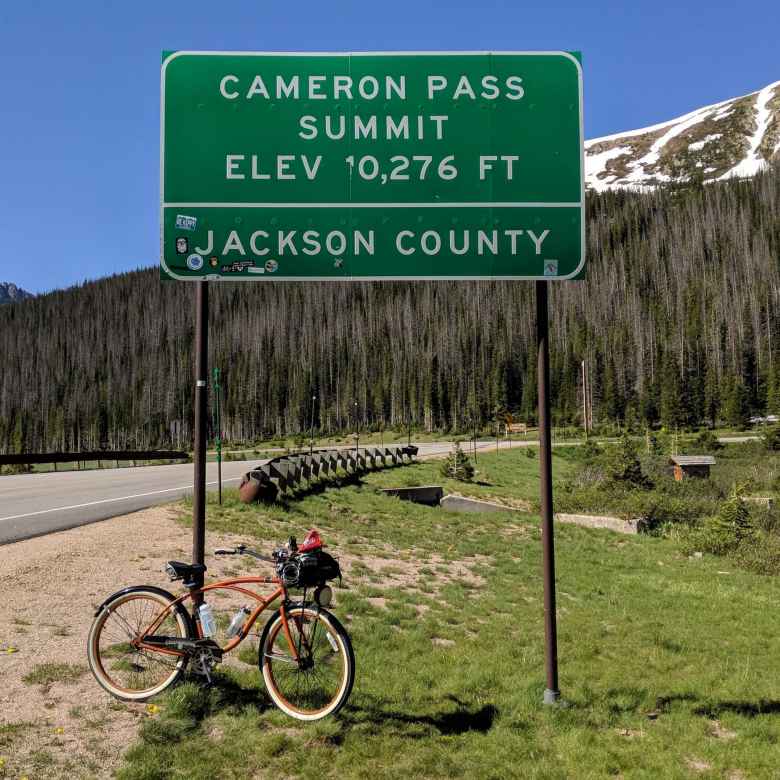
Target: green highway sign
{"x":402,"y":165}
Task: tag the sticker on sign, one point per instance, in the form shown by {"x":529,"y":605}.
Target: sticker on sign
{"x":369,"y":166}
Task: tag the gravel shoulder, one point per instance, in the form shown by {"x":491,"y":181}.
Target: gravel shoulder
{"x":58,"y":722}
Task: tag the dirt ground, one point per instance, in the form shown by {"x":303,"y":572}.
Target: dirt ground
{"x":55,"y":720}
{"x":60,"y":723}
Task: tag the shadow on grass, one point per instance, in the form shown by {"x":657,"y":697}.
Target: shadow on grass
{"x":748,"y":709}
{"x":632,"y":701}
{"x":226,"y":694}
{"x":191,"y":703}
{"x":288,"y":500}
{"x":464,"y":719}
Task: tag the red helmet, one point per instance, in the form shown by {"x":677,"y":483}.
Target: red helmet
{"x":312,"y":541}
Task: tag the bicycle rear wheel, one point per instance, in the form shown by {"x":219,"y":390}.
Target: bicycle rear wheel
{"x":321,"y":682}
{"x":124,"y":669}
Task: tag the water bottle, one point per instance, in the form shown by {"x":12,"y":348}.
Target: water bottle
{"x":207,"y":624}
{"x":238,"y":621}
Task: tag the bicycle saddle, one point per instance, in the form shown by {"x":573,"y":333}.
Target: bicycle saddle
{"x":177,"y":570}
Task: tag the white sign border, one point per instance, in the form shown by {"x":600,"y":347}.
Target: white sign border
{"x":274,"y":277}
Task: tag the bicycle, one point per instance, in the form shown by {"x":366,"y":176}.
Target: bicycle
{"x":143,"y":637}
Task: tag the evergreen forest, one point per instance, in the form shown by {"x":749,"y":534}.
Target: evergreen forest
{"x":677,"y":322}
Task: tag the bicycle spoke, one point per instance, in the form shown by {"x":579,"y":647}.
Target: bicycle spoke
{"x":125,"y":667}
{"x":311,"y":686}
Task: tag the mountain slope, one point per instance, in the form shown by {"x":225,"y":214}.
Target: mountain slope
{"x":734,"y":138}
{"x":10,"y":292}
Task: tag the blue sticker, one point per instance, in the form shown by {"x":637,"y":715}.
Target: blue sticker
{"x":186,"y":223}
{"x":194,"y":262}
{"x":551,"y":268}
{"x":271,"y":266}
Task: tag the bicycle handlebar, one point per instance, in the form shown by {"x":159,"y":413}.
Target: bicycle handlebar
{"x":243,"y":550}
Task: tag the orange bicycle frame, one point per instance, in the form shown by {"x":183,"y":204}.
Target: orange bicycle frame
{"x":236,"y":584}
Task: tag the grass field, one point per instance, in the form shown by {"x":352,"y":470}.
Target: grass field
{"x":670,"y":666}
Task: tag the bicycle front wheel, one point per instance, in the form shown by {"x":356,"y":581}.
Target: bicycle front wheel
{"x":124,"y":667}
{"x":319,"y":683}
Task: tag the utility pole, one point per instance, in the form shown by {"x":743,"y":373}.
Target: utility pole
{"x":201,"y":423}
{"x":357,"y":431}
{"x":551,"y":694}
{"x":584,"y":400}
{"x":311,"y":425}
{"x":218,"y":426}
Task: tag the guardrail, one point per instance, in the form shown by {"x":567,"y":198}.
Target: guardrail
{"x":82,"y":457}
{"x":264,"y":483}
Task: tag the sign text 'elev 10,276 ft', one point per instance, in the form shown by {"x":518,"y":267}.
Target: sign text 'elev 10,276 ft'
{"x":372,"y":166}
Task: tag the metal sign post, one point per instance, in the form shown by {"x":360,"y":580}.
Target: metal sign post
{"x":551,"y":693}
{"x":201,"y":424}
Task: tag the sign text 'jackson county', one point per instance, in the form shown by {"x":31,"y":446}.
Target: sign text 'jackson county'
{"x":372,"y":166}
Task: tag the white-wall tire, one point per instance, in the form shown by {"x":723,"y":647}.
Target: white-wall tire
{"x":97,"y":659}
{"x":346,"y":657}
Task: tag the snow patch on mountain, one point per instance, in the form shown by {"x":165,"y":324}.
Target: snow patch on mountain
{"x":751,"y":165}
{"x":732,"y":138}
{"x":696,"y":145}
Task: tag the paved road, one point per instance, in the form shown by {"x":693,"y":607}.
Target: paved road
{"x":36,"y":504}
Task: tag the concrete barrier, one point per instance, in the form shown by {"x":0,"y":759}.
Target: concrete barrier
{"x":263,"y":483}
{"x":601,"y":521}
{"x":463,"y":504}
{"x":430,"y":495}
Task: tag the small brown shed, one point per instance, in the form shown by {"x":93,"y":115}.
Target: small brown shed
{"x":692,"y":466}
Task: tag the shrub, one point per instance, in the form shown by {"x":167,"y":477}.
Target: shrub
{"x":623,"y":465}
{"x":771,"y":438}
{"x":762,"y":555}
{"x":16,"y":468}
{"x":707,"y":441}
{"x":457,"y":465}
{"x":655,"y":447}
{"x":530,"y":452}
{"x":590,"y":451}
{"x":733,"y":520}
{"x":727,"y":531}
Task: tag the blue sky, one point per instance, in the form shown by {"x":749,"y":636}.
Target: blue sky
{"x":80,"y":92}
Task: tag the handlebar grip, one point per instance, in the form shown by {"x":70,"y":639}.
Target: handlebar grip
{"x":223,"y":551}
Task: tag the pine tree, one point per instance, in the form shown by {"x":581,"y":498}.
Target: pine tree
{"x":711,"y":396}
{"x":732,"y":526}
{"x":672,"y":415}
{"x":773,"y":390}
{"x":457,"y":465}
{"x":624,"y":465}
{"x":736,"y":409}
